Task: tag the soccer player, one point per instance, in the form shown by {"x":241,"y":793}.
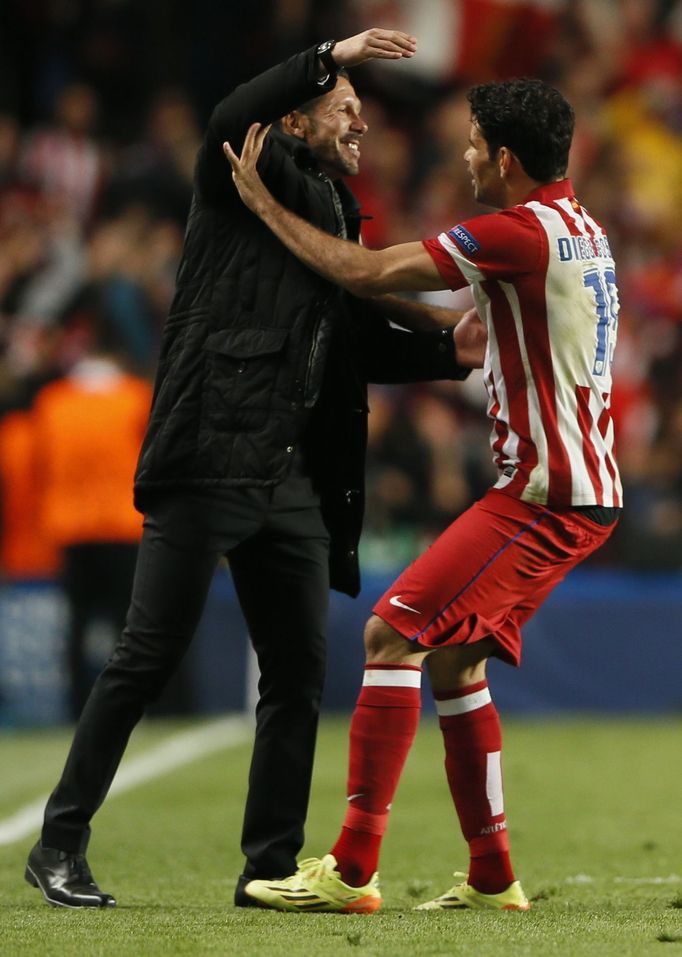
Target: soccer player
{"x":542,"y":275}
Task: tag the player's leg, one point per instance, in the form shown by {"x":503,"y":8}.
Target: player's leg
{"x":473,"y":749}
{"x":382,"y":729}
{"x":535,"y":557}
{"x":282,"y":581}
{"x":383,"y":726}
{"x":455,"y":601}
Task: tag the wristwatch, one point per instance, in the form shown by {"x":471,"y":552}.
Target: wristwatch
{"x":324,"y":54}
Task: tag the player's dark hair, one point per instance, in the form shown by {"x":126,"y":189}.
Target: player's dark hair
{"x":530,"y":118}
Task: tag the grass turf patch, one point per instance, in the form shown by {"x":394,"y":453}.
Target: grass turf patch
{"x":593,"y":823}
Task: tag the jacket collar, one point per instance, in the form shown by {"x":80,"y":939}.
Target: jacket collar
{"x":300,"y":152}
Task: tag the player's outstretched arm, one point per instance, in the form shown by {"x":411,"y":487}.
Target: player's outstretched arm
{"x":416,"y":315}
{"x":364,"y":272}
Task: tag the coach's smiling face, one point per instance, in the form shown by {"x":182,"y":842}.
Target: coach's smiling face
{"x":333,"y":130}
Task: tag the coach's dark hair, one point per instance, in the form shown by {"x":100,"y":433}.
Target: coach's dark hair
{"x":530,"y":118}
{"x":309,"y":106}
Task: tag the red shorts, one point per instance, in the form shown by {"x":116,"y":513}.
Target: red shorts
{"x":488,"y":573}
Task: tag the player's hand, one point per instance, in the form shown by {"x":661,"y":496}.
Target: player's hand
{"x":471,"y":340}
{"x":374,"y":44}
{"x":249,"y":184}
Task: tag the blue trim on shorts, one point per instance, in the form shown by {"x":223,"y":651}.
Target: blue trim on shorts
{"x":492,"y":558}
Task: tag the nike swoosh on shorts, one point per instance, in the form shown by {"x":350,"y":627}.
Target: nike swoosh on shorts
{"x":395,"y":600}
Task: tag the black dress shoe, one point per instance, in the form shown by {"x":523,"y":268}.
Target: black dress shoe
{"x":64,"y":879}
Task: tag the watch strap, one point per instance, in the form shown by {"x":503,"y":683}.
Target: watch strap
{"x":324,"y":54}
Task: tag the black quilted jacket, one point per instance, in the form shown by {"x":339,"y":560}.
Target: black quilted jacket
{"x":258,"y":353}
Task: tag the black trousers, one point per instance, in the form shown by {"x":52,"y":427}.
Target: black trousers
{"x":96,"y":579}
{"x":277,"y":547}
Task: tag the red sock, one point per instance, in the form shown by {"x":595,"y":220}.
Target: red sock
{"x":473,"y":746}
{"x":382,"y":730}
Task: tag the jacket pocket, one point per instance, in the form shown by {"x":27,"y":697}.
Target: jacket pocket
{"x":246,"y":343}
{"x":241,"y":371}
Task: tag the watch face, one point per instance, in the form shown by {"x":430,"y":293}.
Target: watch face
{"x":323,"y":47}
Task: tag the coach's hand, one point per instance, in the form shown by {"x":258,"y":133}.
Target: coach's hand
{"x":374,"y":44}
{"x":471,"y":340}
{"x":244,"y":173}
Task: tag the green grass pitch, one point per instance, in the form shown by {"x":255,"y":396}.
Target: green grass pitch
{"x":595,"y":812}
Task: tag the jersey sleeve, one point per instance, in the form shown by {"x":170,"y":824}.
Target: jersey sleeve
{"x":495,"y":246}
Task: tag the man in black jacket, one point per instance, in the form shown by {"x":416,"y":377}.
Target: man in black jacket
{"x":254,"y":450}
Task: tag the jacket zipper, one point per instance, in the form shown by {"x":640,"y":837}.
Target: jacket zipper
{"x":311,"y":358}
{"x":341,"y":232}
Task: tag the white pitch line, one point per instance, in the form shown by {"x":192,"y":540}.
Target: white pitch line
{"x":670,"y":879}
{"x":172,"y":753}
{"x":587,"y":879}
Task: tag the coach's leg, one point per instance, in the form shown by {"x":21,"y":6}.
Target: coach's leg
{"x":473,"y":747}
{"x":282,"y":580}
{"x":76,"y":582}
{"x":169,"y":591}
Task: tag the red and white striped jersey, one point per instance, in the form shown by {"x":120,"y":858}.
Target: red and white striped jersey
{"x":543,"y":277}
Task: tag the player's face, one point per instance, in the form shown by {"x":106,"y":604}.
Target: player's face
{"x":334,"y":130}
{"x":485,"y":172}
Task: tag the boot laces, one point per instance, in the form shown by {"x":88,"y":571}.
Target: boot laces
{"x":78,"y":867}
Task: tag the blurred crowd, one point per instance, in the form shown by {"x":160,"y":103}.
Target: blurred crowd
{"x":102,"y":105}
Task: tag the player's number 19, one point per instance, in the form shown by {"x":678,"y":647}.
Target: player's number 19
{"x":603,"y":283}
